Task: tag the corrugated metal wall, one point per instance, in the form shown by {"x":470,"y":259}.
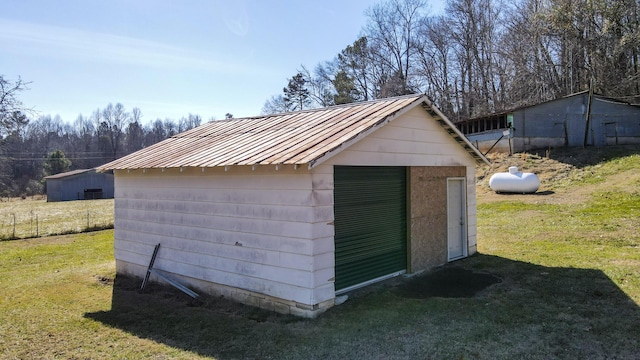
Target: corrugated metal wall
{"x":73,"y":187}
{"x":564,"y":123}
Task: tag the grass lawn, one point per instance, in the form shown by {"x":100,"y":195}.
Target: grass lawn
{"x":568,"y":263}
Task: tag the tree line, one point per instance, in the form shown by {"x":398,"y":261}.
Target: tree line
{"x":33,"y":149}
{"x":481,"y":56}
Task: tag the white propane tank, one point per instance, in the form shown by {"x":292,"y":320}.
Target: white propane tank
{"x":514,"y":182}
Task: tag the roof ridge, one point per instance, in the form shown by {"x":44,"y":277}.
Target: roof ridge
{"x":355,"y":103}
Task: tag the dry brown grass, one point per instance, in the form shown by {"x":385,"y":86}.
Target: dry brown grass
{"x":26,"y":218}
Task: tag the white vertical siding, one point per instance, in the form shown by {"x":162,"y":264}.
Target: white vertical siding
{"x":247,"y":229}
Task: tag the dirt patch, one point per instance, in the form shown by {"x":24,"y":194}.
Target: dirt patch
{"x":450,"y":282}
{"x":104,"y":280}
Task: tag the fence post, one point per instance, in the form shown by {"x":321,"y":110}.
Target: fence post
{"x":88,"y":219}
{"x":14,"y":225}
{"x":37,"y":226}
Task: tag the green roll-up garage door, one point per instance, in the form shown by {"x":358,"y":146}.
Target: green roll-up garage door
{"x":370,"y":223}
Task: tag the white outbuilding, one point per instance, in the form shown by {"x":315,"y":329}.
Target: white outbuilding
{"x":287,"y":211}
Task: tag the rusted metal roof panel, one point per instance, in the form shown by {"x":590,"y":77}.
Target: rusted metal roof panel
{"x":301,"y":137}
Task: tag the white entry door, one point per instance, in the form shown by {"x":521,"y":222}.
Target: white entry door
{"x":456,"y":218}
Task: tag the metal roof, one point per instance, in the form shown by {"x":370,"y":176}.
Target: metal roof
{"x":68,"y":173}
{"x":518,"y":108}
{"x":73,"y":173}
{"x":295,"y":138}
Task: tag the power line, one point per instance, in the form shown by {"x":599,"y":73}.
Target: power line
{"x":45,"y":158}
{"x":18,"y":154}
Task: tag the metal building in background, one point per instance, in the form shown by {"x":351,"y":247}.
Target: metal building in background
{"x":83,"y":184}
{"x":582,"y":119}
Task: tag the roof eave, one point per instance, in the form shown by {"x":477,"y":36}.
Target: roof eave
{"x":453,"y":131}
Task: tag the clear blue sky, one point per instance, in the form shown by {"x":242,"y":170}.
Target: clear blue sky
{"x":168,"y":58}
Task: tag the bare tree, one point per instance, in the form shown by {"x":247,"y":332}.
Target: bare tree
{"x":276,"y":104}
{"x":155,"y":132}
{"x":189,"y":122}
{"x":532,"y":71}
{"x":475,"y":30}
{"x":113,"y":122}
{"x":435,"y":62}
{"x":170,"y":127}
{"x":484,"y":55}
{"x":136,"y":115}
{"x":12,"y":112}
{"x":134,"y":137}
{"x":391,"y":30}
{"x":319,"y":84}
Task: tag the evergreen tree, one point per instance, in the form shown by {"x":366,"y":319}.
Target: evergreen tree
{"x":346,"y":91}
{"x":296,"y":93}
{"x":355,"y":61}
{"x":56,"y":163}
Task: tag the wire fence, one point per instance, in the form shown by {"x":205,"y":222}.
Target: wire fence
{"x":20,"y":219}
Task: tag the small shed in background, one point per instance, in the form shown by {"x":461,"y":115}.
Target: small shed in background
{"x":83,"y":184}
{"x":582,"y":119}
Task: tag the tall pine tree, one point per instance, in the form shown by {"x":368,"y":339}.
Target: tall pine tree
{"x":56,"y":163}
{"x":346,"y":91}
{"x":296,"y":94}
